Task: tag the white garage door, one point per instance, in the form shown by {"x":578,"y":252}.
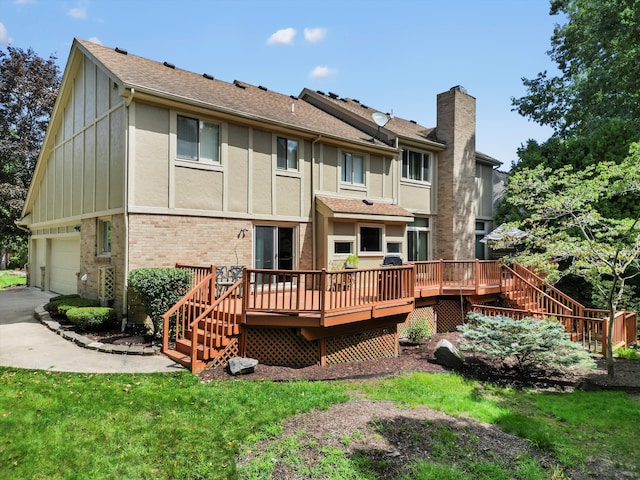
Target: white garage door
{"x":65,"y":263}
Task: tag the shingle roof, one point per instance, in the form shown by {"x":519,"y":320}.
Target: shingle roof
{"x":239,"y":98}
{"x":399,"y":126}
{"x":360,"y":207}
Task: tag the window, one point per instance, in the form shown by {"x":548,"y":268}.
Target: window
{"x":418,"y":240}
{"x":415,"y":165}
{"x":198,"y":140}
{"x":343,"y":248}
{"x":287,"y":154}
{"x":371,"y":239}
{"x":352,"y":168}
{"x":104,"y":237}
{"x":481,"y":248}
{"x":394,"y":247}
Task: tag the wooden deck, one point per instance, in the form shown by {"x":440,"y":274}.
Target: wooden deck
{"x":321,"y":303}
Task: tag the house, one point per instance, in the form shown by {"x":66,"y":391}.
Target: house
{"x":145,"y":164}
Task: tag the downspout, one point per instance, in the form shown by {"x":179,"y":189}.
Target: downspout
{"x":125,"y":290}
{"x":314,"y":262}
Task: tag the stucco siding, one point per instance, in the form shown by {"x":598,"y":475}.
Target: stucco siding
{"x":151,"y":156}
{"x":415,"y":197}
{"x":198,"y":189}
{"x":237,"y":167}
{"x":262,"y":172}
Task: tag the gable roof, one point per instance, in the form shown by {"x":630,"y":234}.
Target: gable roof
{"x":237,"y":98}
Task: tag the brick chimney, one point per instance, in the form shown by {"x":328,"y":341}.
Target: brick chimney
{"x":457,"y":204}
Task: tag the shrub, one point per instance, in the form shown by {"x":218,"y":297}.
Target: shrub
{"x":59,"y":305}
{"x":529,"y":341}
{"x":159,"y":289}
{"x":417,"y":332}
{"x":92,"y":317}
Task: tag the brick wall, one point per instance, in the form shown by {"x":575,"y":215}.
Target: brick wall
{"x":457,"y":199}
{"x":90,"y":263}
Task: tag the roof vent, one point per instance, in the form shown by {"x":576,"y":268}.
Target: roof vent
{"x":333,"y":95}
{"x":320,"y":92}
{"x":263,"y":88}
{"x":413,"y":121}
{"x":367,"y":202}
{"x":294,"y":97}
{"x":363,"y":105}
{"x":122,"y":51}
{"x":239,"y":85}
{"x":169,"y":65}
{"x":357,"y":101}
{"x":344,"y":100}
{"x":207,"y":76}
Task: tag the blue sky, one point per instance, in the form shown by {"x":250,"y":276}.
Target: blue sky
{"x":391,"y":55}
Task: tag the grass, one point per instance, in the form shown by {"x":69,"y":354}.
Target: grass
{"x":62,"y":425}
{"x":9,"y":279}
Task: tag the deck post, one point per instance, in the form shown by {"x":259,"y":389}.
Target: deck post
{"x":323,"y":352}
{"x":440,"y":275}
{"x":212,"y":286}
{"x":477,"y":274}
{"x":321,"y":294}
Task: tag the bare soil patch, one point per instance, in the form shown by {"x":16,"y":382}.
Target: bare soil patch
{"x":390,"y":437}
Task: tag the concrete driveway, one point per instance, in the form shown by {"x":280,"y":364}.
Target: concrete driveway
{"x":26,"y":343}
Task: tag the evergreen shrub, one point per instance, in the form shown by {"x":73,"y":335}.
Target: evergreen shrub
{"x":92,"y":317}
{"x":159,"y":289}
{"x":530,"y":341}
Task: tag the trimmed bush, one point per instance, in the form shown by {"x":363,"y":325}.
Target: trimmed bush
{"x":60,"y":304}
{"x":92,"y":317}
{"x":529,"y":341}
{"x":159,"y":289}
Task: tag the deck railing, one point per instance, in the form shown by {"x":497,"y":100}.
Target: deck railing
{"x":523,"y":292}
{"x":325,"y":291}
{"x":443,"y":275}
{"x":199,"y":271}
{"x":177,"y":321}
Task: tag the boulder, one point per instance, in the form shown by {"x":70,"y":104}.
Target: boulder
{"x":448,"y":355}
{"x":242,"y":366}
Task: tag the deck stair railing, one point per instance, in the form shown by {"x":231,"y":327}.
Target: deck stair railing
{"x":525,"y":295}
{"x":576,"y":307}
{"x":200,"y":327}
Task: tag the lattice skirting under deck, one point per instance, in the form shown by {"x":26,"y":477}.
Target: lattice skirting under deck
{"x":420,"y":317}
{"x":450,"y":314}
{"x":368,"y":345}
{"x":285,"y":347}
{"x":281,"y":346}
{"x":230,"y":351}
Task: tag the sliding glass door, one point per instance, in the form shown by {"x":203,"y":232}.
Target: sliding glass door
{"x":274,"y":248}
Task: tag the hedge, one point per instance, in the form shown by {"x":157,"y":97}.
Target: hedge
{"x":92,"y":317}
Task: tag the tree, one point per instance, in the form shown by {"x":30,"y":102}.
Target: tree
{"x":28,"y":89}
{"x":598,"y":57}
{"x":566,"y":220}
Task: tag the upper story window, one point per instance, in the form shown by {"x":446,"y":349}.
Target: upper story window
{"x":198,"y":140}
{"x":353,"y":168}
{"x":287,"y":154}
{"x":415,"y":165}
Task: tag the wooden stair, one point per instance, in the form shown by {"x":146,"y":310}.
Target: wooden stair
{"x":207,"y":328}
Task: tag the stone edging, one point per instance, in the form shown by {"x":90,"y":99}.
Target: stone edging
{"x":85,"y":342}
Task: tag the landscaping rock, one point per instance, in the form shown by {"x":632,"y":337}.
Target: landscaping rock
{"x":242,"y":366}
{"x":448,"y":355}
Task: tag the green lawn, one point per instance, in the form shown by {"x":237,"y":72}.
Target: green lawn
{"x":9,"y":279}
{"x":172,"y":426}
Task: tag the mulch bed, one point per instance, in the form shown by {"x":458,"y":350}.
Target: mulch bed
{"x":420,"y":358}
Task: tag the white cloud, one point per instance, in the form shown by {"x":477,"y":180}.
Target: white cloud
{"x":5,"y":39}
{"x":95,"y":40}
{"x":283,"y":36}
{"x":79,"y":12}
{"x":322,"y":72}
{"x":314,"y":35}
